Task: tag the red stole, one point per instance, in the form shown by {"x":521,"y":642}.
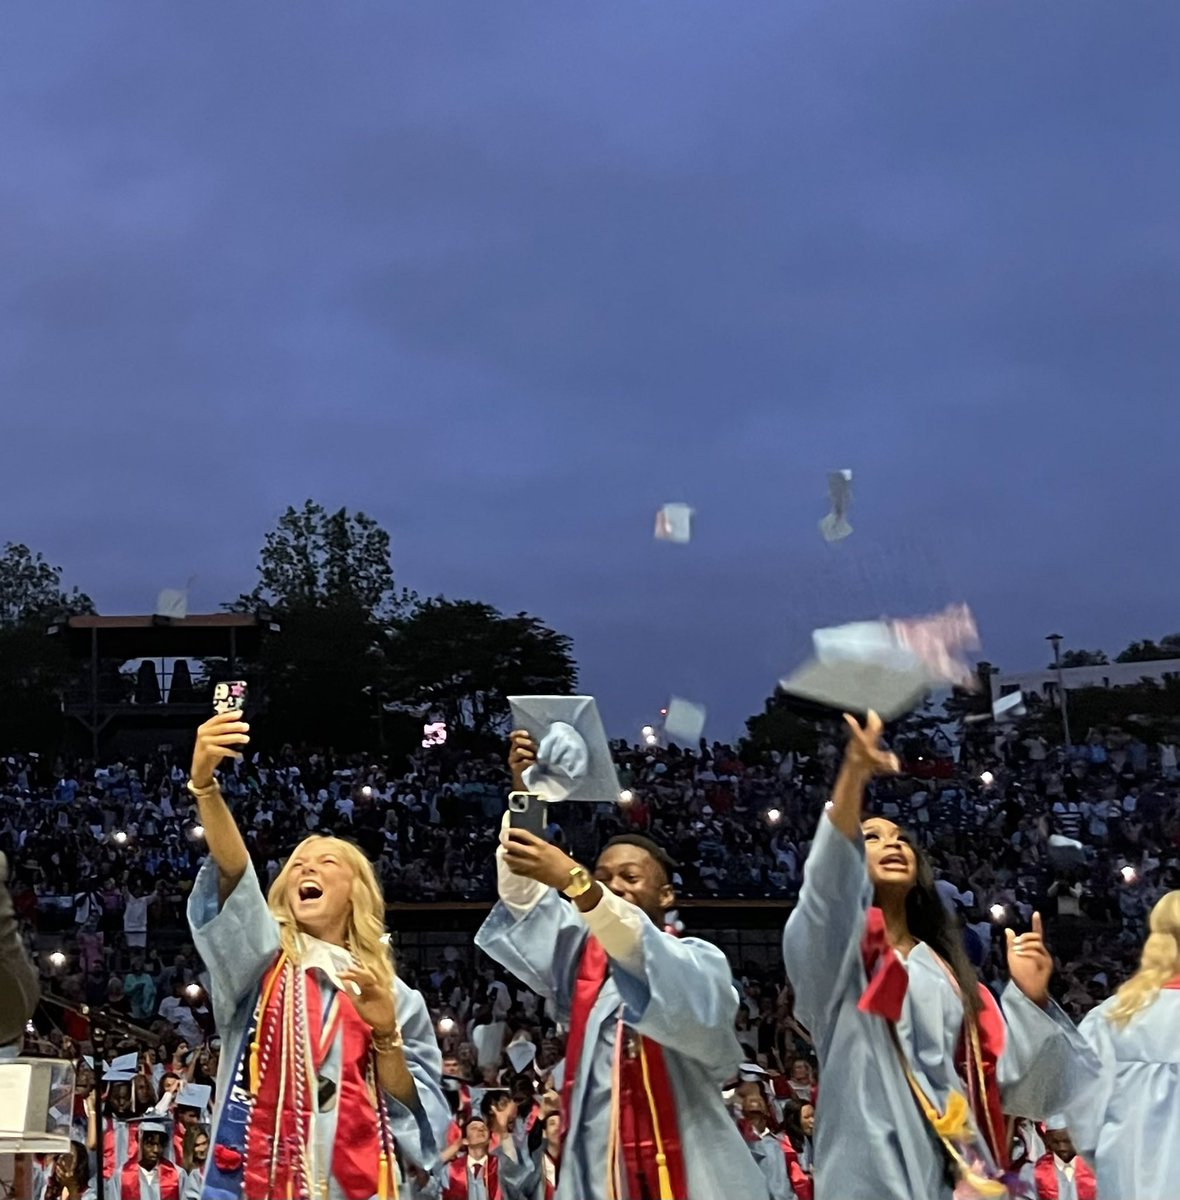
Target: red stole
{"x":638,"y":1122}
{"x":883,"y":996}
{"x":109,"y":1166}
{"x":456,"y":1188}
{"x":801,"y":1183}
{"x":357,"y":1148}
{"x":1045,"y":1175}
{"x":166,"y":1173}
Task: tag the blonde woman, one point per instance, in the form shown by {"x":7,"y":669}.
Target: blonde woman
{"x":1126,"y":1121}
{"x":329,"y":1069}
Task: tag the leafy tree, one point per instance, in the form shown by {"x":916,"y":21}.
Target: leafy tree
{"x":461,"y":659}
{"x":33,"y":666}
{"x":781,"y":726}
{"x":1149,"y":651}
{"x":1082,"y":658}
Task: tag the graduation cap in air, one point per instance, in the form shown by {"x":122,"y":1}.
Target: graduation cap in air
{"x":1065,"y":853}
{"x":521,"y":1054}
{"x":194,"y":1095}
{"x":684,"y":722}
{"x":674,"y":523}
{"x":886,"y":666}
{"x":1007,"y":708}
{"x":750,"y":1072}
{"x":835,"y":525}
{"x":573,"y":756}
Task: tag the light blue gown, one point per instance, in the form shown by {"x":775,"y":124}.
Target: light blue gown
{"x":238,"y":943}
{"x":686,"y":1002}
{"x":1125,"y":1120}
{"x":871,"y":1140}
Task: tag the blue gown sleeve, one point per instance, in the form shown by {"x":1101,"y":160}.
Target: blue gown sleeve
{"x":421,"y":1128}
{"x":1085,"y":1114}
{"x":686,"y":999}
{"x":237,"y":943}
{"x":821,"y":943}
{"x":542,"y":949}
{"x":1045,"y":1058}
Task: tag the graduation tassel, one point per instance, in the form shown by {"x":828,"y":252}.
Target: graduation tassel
{"x":661,"y":1158}
{"x":383,"y":1176}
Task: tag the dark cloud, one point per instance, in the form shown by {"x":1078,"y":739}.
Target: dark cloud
{"x":511,"y":278}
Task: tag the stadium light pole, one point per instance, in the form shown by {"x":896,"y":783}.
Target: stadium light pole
{"x":1055,"y":639}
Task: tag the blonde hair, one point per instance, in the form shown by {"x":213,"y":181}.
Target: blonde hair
{"x":1159,"y":962}
{"x":366,"y":920}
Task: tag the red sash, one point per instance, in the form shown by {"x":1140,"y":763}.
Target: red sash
{"x":166,"y":1173}
{"x":357,"y":1147}
{"x":1045,"y":1175}
{"x":801,"y":1183}
{"x":456,"y":1188}
{"x":637,"y":1122}
{"x":109,"y":1166}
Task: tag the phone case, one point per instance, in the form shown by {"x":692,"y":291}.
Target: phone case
{"x":527,"y":812}
{"x":230,"y":697}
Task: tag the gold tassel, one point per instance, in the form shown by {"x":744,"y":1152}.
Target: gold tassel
{"x":383,"y":1177}
{"x":255,"y":1067}
{"x":665,"y":1177}
{"x":661,"y":1158}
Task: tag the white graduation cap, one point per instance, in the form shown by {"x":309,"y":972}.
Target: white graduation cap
{"x":172,"y":603}
{"x":674,"y":523}
{"x":194,"y":1095}
{"x":1008,"y":707}
{"x":1056,"y":1121}
{"x":573,"y":756}
{"x":684,"y":722}
{"x":835,"y":525}
{"x":521,"y":1054}
{"x":752,"y":1073}
{"x":150,"y":1124}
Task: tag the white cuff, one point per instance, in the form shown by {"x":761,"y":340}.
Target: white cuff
{"x":519,"y":893}
{"x":619,"y":928}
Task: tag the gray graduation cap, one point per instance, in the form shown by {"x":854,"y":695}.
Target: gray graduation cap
{"x":573,"y":756}
{"x":1005,"y":708}
{"x":1065,"y":853}
{"x":684,"y":722}
{"x":194,"y":1095}
{"x":857,"y":687}
{"x":834,"y":527}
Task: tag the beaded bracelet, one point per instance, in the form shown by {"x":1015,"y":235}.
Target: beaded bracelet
{"x":386,"y":1043}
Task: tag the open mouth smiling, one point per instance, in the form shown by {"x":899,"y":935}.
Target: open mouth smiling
{"x":310,"y":890}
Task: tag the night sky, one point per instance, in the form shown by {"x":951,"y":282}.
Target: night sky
{"x":510,"y":276}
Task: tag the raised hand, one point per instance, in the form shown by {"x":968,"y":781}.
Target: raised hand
{"x":1030,"y":965}
{"x":221,"y":737}
{"x":864,"y":752}
{"x":522,"y":754}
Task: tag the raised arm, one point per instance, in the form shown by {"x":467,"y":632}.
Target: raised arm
{"x":221,"y":737}
{"x":821,"y":942}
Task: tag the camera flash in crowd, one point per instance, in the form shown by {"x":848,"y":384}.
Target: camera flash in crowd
{"x":57,"y":959}
{"x":998,"y":911}
{"x":1128,"y":874}
{"x":192,"y":991}
{"x":987,"y":779}
{"x":366,"y":791}
{"x":198,"y":832}
{"x":648,"y":731}
{"x":774,"y":816}
{"x":120,"y":837}
{"x":446,"y":1025}
{"x":625,"y":796}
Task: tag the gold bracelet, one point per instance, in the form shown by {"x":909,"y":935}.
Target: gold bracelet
{"x":387,"y":1043}
{"x":580,"y":883}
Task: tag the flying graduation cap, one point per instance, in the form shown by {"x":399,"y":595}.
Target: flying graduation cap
{"x":674,"y":523}
{"x":573,"y":756}
{"x":834,"y":526}
{"x":684,"y":722}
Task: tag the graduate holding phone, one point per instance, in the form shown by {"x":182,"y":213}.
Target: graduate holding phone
{"x":329,"y":1071}
{"x":650,"y":1015}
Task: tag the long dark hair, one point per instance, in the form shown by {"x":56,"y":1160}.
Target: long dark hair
{"x":80,"y":1178}
{"x":930,"y":922}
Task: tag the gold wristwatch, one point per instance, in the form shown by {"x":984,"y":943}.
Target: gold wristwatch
{"x":580,"y":883}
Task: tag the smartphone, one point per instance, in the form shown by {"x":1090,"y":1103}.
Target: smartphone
{"x":230,"y":696}
{"x":529,"y":812}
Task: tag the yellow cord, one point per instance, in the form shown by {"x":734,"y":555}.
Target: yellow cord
{"x":661,"y":1158}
